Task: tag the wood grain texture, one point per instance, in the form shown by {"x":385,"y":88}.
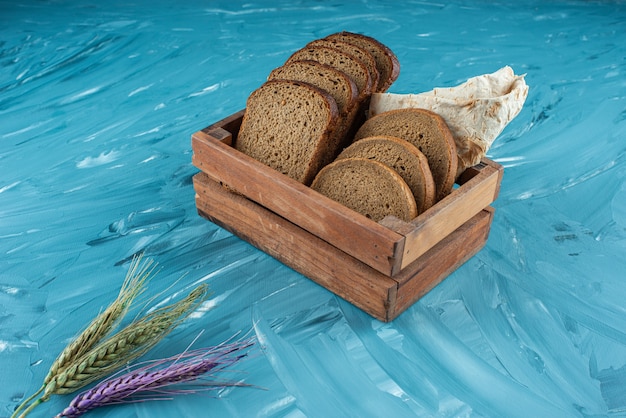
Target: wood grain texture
{"x":387,"y":246}
{"x":381,"y":296}
{"x":302,"y":251}
{"x":419,"y":277}
{"x":378,"y":246}
{"x":453,"y":211}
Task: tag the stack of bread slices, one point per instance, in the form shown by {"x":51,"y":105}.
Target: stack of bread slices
{"x":308,"y":122}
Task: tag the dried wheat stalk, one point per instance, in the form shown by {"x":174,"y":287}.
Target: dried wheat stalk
{"x":160,"y":378}
{"x":134,"y":284}
{"x":118,"y":349}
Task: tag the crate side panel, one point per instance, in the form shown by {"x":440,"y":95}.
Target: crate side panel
{"x":368,"y":241}
{"x":328,"y":266}
{"x":451,"y":212}
{"x":440,"y":261}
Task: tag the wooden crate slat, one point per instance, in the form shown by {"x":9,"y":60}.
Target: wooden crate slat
{"x":381,"y":267}
{"x":335,"y":270}
{"x":230,"y":124}
{"x":446,"y":256}
{"x":381,"y":296}
{"x":368,"y":241}
{"x":451,"y":212}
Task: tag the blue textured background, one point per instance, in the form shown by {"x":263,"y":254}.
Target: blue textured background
{"x":97,"y":104}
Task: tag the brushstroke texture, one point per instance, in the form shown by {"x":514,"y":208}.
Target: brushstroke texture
{"x":97,"y":104}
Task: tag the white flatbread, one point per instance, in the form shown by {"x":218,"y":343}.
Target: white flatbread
{"x":476,"y":111}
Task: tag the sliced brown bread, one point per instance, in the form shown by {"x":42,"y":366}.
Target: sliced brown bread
{"x":337,"y":84}
{"x":342,"y":61}
{"x":367,"y":187}
{"x":365,"y":56}
{"x":287,"y":126}
{"x":428,"y":132}
{"x":404,"y":158}
{"x":386,"y":61}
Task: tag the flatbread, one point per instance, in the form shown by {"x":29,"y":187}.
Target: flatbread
{"x":476,"y":111}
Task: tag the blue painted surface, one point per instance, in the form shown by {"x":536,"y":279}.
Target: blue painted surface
{"x":97,"y":105}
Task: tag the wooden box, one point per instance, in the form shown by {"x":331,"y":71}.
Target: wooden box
{"x":381,"y":267}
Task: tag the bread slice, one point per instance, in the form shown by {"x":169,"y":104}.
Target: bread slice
{"x":386,"y":61}
{"x":334,"y":82}
{"x":287,"y":125}
{"x":327,"y":78}
{"x":404,"y":158}
{"x":428,"y":132}
{"x":367,"y":187}
{"x":349,"y":64}
{"x":365,"y":56}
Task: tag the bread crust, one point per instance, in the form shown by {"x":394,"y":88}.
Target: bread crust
{"x":333,"y":81}
{"x":387,"y":62}
{"x":314,"y":66}
{"x":412,"y":164}
{"x":378,"y":174}
{"x":322,"y":53}
{"x":403,"y":121}
{"x":258,"y":144}
{"x":364,"y":55}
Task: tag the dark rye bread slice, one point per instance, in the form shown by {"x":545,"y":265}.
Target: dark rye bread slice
{"x":342,"y":61}
{"x":428,"y":132}
{"x":367,"y":187}
{"x":365,"y":56}
{"x":404,"y":158}
{"x":334,"y":82}
{"x":386,"y":61}
{"x":287,"y":125}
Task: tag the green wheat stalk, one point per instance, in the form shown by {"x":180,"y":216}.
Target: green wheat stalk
{"x":133,"y":285}
{"x":101,"y":325}
{"x":117,"y":350}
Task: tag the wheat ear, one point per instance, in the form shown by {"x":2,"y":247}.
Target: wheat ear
{"x":122,"y":347}
{"x":133,"y":285}
{"x":161,"y":378}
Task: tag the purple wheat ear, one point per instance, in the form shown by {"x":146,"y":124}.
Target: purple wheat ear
{"x":161,"y":379}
